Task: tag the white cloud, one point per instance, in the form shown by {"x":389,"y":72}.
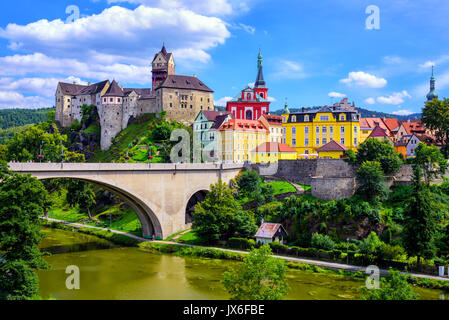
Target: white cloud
{"x":336,"y":95}
{"x":249,"y":29}
{"x":403,"y":113}
{"x":222,"y":102}
{"x":12,"y":99}
{"x":271,"y":99}
{"x":120,"y":32}
{"x":288,"y":69}
{"x":429,"y":64}
{"x":392,"y":59}
{"x":41,"y":86}
{"x":370,"y":101}
{"x":363,"y":79}
{"x":396,"y":98}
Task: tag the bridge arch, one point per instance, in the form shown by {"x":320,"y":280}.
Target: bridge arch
{"x":148,"y":219}
{"x":192,"y":200}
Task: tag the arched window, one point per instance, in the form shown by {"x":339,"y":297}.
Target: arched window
{"x":249,"y":115}
{"x":248,"y":96}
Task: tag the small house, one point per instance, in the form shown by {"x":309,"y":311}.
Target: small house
{"x":270,"y":232}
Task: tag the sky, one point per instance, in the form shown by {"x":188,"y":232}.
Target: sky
{"x":377,"y":53}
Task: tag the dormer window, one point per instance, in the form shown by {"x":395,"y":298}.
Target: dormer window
{"x":294,"y":119}
{"x":306,"y":119}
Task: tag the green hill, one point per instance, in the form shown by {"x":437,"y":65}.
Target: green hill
{"x":19,"y":117}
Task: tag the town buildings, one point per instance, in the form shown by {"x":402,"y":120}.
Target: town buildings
{"x":181,"y":97}
{"x":309,"y":130}
{"x":272,"y":152}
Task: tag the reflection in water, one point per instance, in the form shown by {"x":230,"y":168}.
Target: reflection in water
{"x":110,"y":272}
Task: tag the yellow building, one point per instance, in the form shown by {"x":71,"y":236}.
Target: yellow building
{"x":272,"y":152}
{"x":332,"y":150}
{"x":238,"y":137}
{"x":311,"y":129}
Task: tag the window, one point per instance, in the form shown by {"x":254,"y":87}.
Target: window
{"x":324,"y":118}
{"x":293,"y":142}
{"x":324,"y":130}
{"x":342,"y":130}
{"x":324,"y":141}
{"x":111,"y":100}
{"x":306,"y":119}
{"x":104,"y":100}
{"x":284,"y":131}
{"x":355,"y":130}
{"x":317,"y":141}
{"x":294,"y":119}
{"x":306,"y":130}
{"x":306,"y":152}
{"x":294,"y":131}
{"x":342,"y":117}
{"x":331,"y":130}
{"x":306,"y":142}
{"x":317,"y":129}
{"x":355,"y":142}
{"x":342,"y":141}
{"x":284,"y":120}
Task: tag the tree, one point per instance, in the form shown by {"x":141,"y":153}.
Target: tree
{"x":214,"y":218}
{"x":394,"y":287}
{"x":259,"y":277}
{"x":249,"y":184}
{"x":370,"y":181}
{"x":23,"y":199}
{"x":421,"y":220}
{"x":381,"y":151}
{"x":80,"y":194}
{"x":430,"y":161}
{"x":435,"y":116}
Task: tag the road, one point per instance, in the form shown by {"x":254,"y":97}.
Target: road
{"x":322,"y":264}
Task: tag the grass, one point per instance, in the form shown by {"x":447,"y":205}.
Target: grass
{"x":281,"y":187}
{"x":305,"y":187}
{"x":170,"y":238}
{"x":190,"y":238}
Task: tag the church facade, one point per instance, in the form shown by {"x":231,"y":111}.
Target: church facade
{"x":251,"y":103}
{"x":181,"y":97}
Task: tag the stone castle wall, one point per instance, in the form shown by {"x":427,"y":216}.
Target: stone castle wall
{"x":111,"y":117}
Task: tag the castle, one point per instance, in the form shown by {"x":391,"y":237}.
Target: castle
{"x":181,"y":97}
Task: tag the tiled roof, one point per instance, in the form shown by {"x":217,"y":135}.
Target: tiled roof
{"x":219,"y":120}
{"x":244,"y":125}
{"x":184,"y":82}
{"x":114,"y":90}
{"x":378,"y":132}
{"x":267,"y":230}
{"x":413,"y":127}
{"x":70,"y":88}
{"x":273,"y":119}
{"x":212,"y":115}
{"x":139,"y":91}
{"x":274,"y":147}
{"x":94,"y":88}
{"x":332,"y":146}
{"x":392,"y":124}
{"x":167,"y":55}
{"x":374,"y":122}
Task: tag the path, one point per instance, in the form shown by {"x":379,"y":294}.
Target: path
{"x":318,"y":263}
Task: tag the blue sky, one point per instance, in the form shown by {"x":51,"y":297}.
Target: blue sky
{"x":315,"y":52}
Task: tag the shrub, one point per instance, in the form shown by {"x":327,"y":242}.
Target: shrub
{"x":279,"y":248}
{"x":324,"y":242}
{"x":389,"y":252}
{"x":240,"y":243}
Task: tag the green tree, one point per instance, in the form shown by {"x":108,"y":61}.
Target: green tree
{"x":214,"y":218}
{"x":371,"y":181}
{"x":435,"y":116}
{"x":321,"y":241}
{"x":244,"y":224}
{"x":421,"y":220}
{"x":394,"y":287}
{"x":249,"y":184}
{"x":259,"y":277}
{"x":23,"y":199}
{"x":430,"y":161}
{"x":381,"y":151}
{"x":81,"y":194}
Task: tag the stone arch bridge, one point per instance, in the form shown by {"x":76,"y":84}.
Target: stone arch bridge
{"x":160,"y":194}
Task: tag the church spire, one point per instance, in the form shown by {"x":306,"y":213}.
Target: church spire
{"x":432,"y":93}
{"x":286,"y":110}
{"x":260,"y":81}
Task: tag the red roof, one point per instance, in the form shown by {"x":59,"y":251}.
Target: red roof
{"x":413,"y":127}
{"x":392,"y":124}
{"x":268,"y":230}
{"x":378,"y":132}
{"x":374,"y":122}
{"x":244,"y":125}
{"x":273,"y":119}
{"x":274,"y":147}
{"x":332,"y":146}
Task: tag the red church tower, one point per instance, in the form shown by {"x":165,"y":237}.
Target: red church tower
{"x":252,"y":103}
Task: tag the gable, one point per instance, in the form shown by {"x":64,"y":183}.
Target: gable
{"x":160,"y":58}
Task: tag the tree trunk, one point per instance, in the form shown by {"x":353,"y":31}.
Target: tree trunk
{"x":88,"y":213}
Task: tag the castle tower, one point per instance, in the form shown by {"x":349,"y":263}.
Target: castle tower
{"x":260,"y":85}
{"x":163,"y":66}
{"x":111,"y":114}
{"x":432,"y":93}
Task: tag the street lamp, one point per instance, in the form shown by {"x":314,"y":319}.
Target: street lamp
{"x":347,"y":251}
{"x":41,"y":156}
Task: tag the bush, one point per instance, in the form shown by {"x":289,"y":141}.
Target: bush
{"x":240,"y":243}
{"x":279,"y":248}
{"x":389,"y":252}
{"x":324,"y":242}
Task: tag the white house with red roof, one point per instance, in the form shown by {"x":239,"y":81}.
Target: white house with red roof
{"x":271,"y":232}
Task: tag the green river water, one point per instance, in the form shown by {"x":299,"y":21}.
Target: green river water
{"x":115,"y":273}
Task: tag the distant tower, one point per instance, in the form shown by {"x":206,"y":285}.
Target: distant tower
{"x":286,"y":110}
{"x":260,"y":86}
{"x":432,"y":94}
{"x":163,"y":66}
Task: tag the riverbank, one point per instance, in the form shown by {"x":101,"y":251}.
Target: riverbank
{"x":121,"y":238}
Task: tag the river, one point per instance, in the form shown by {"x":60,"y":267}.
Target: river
{"x":110,"y":272}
